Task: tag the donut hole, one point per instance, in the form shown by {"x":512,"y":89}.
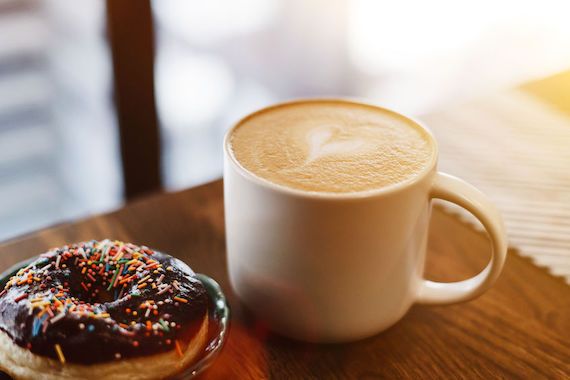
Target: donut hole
{"x":97,"y":292}
{"x":102,"y":296}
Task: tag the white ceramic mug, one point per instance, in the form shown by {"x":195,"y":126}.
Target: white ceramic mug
{"x":329,"y":267}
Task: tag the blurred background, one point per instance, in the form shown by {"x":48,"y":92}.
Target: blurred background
{"x":218,"y":60}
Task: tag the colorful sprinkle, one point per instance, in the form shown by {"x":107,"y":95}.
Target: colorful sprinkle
{"x":183,"y":300}
{"x":21,"y":297}
{"x":178,"y":349}
{"x":59,"y":353}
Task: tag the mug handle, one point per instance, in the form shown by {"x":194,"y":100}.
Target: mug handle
{"x":457,"y":191}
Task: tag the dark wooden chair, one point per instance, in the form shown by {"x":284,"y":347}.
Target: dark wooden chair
{"x":131,"y":39}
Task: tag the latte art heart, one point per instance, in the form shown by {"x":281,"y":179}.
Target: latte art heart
{"x":331,"y":146}
{"x":322,"y":143}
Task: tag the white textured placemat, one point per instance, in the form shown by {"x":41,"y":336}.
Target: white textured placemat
{"x":516,"y":149}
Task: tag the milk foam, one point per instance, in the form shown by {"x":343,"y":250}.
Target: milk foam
{"x":331,"y":146}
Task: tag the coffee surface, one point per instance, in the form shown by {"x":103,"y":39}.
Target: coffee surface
{"x":331,"y":146}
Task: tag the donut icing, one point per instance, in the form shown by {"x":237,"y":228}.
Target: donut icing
{"x":97,"y":302}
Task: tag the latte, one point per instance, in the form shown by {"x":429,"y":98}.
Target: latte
{"x":331,"y":146}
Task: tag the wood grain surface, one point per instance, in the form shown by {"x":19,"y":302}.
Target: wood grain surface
{"x":519,"y":329}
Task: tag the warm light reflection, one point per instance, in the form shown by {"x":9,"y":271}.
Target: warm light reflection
{"x":401,"y":34}
{"x":422,"y":55}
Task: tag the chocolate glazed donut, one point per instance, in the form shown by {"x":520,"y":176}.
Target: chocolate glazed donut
{"x":102,"y":309}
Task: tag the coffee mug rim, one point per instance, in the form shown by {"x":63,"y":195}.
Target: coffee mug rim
{"x":244,"y":172}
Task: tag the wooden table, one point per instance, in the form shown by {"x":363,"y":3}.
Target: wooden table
{"x":519,"y":329}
